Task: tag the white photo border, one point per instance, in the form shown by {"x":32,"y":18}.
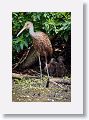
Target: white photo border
{"x":76,"y":104}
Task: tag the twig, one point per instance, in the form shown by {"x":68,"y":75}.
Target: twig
{"x":59,"y":85}
{"x":21,"y":76}
{"x":22,"y":58}
{"x":61,"y":81}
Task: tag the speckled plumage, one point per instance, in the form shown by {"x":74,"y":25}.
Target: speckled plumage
{"x":42,"y":44}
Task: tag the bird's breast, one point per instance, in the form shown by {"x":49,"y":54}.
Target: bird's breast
{"x":43,"y":47}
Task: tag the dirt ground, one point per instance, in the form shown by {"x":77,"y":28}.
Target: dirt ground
{"x":34,"y":90}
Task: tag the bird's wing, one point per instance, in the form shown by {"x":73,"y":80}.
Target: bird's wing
{"x":42,"y":42}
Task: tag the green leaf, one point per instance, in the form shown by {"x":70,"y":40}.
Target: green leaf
{"x":26,"y":44}
{"x":66,"y":37}
{"x":21,"y":46}
{"x":18,"y":49}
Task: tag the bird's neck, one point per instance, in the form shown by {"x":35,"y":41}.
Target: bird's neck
{"x":31,"y":31}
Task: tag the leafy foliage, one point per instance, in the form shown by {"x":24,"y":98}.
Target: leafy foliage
{"x":51,"y":23}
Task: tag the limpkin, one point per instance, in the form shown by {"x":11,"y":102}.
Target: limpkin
{"x":41,"y":44}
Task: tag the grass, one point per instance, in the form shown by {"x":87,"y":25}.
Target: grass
{"x":34,"y":90}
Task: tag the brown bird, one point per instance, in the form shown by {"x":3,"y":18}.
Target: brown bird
{"x":41,"y":44}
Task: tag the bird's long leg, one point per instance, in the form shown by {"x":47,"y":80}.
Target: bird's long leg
{"x":40,"y":66}
{"x":47,"y":85}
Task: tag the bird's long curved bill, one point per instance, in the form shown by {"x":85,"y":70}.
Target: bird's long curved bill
{"x":21,"y":31}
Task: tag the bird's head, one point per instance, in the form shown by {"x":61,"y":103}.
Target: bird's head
{"x":26,"y":26}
